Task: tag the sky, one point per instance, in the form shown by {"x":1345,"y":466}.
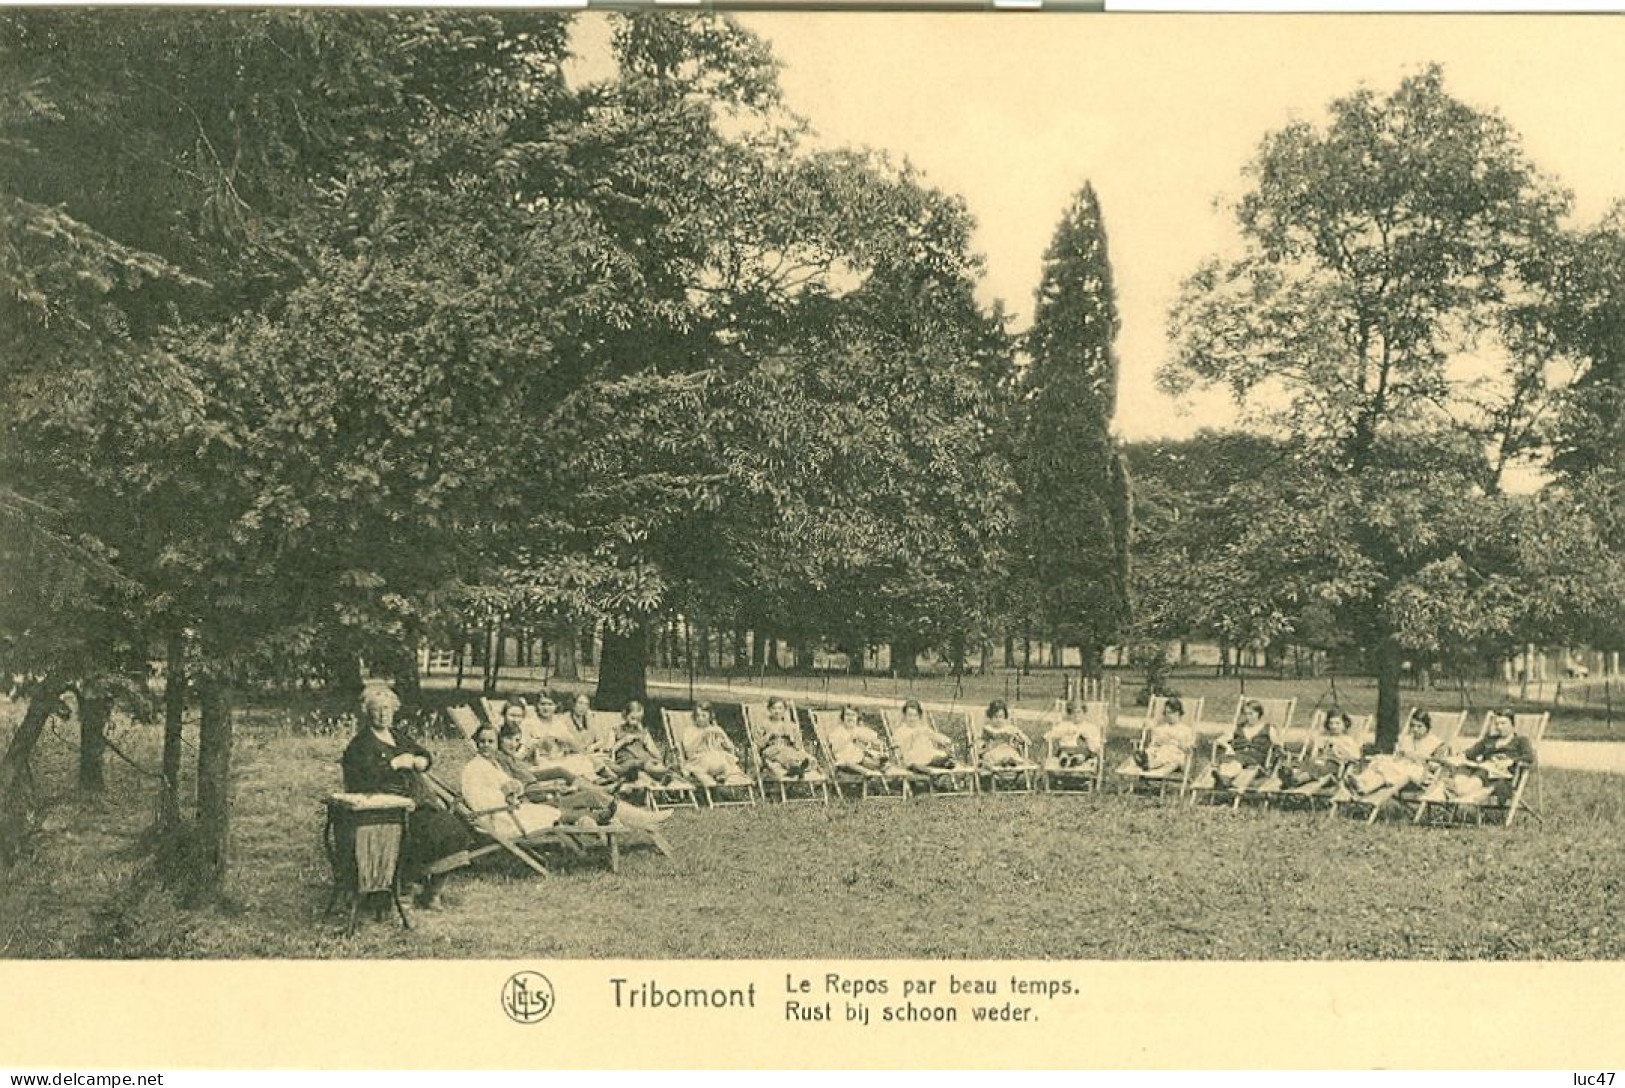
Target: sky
{"x":1014,"y":112}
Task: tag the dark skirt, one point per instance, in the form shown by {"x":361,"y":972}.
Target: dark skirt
{"x":434,"y":834}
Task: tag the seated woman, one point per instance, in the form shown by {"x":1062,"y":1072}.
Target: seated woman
{"x":781,"y":742}
{"x":1003,"y":745}
{"x":636,"y":755}
{"x":556,"y":748}
{"x":1322,"y":765}
{"x":383,"y":759}
{"x":1247,"y":750}
{"x":1406,"y":765}
{"x":496,"y":797}
{"x":921,"y":747}
{"x":578,"y":725}
{"x":1489,"y":767}
{"x":579,"y":801}
{"x":854,"y":746}
{"x":1167,"y":746}
{"x":712,"y":758}
{"x":1075,"y":742}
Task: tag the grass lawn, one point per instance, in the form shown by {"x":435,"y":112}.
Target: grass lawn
{"x":1089,"y":877}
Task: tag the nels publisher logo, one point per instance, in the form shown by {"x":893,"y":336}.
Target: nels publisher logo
{"x":527,"y":997}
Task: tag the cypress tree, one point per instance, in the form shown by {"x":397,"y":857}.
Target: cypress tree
{"x":1076,"y":503}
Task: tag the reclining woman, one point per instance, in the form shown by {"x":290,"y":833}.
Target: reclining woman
{"x":922,"y":748}
{"x":713,"y":761}
{"x":1246,"y":751}
{"x":1168,"y":746}
{"x":781,"y":742}
{"x":580,"y":801}
{"x":556,"y":746}
{"x":1329,"y":753}
{"x":497,"y":797}
{"x":1406,"y":765}
{"x":636,"y":755}
{"x":1075,"y":741}
{"x":384,"y":759}
{"x":856,"y":747}
{"x":1003,"y":744}
{"x":1490,"y":766}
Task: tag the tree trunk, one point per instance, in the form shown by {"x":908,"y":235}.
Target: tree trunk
{"x":44,"y":700}
{"x":758,"y":649}
{"x":623,"y":667}
{"x":984,"y":662}
{"x":1090,"y":658}
{"x":1184,"y":653}
{"x":348,"y":677}
{"x":1027,"y":651}
{"x":408,"y":678}
{"x":1009,"y":650}
{"x":567,"y":655}
{"x":772,"y":661}
{"x":211,"y":853}
{"x":169,"y":789}
{"x":94,"y":712}
{"x":905,"y":655}
{"x":493,"y":659}
{"x":1390,"y":662}
{"x":801,"y":654}
{"x":462,"y":658}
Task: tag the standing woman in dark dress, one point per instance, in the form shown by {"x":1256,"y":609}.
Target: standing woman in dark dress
{"x":382,"y":759}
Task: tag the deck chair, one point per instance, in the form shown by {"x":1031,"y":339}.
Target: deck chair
{"x":1278,"y":712}
{"x":960,"y":780}
{"x":1320,"y":791}
{"x":1447,"y":726}
{"x":1454,"y":810}
{"x":890,"y":780}
{"x":813,"y":786}
{"x":677,"y":793}
{"x":491,"y":710}
{"x":1020,"y":777}
{"x":1092,"y":775}
{"x":527,"y":847}
{"x":574,"y":841}
{"x":1136,"y":779}
{"x":742,"y":791}
{"x":1292,"y":746}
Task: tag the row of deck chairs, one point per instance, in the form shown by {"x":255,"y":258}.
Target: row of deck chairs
{"x":1043,"y":769}
{"x":1298,"y":745}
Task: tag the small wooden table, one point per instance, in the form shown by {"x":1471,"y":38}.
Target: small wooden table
{"x":363,"y":838}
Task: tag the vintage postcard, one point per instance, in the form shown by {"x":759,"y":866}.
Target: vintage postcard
{"x":658,"y":539}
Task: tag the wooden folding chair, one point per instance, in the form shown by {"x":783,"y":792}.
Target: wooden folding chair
{"x":1136,"y":779}
{"x":742,"y":792}
{"x":1455,"y":810}
{"x":1015,"y":778}
{"x":959,"y":780}
{"x":1278,"y":714}
{"x":813,"y":786}
{"x":1447,"y":726}
{"x":888,"y":781}
{"x":1083,"y":779}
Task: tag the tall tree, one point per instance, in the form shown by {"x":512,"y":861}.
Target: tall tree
{"x":1075,"y":503}
{"x":1376,"y":251}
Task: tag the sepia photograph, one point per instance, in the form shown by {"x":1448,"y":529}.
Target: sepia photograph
{"x":515,"y":485}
